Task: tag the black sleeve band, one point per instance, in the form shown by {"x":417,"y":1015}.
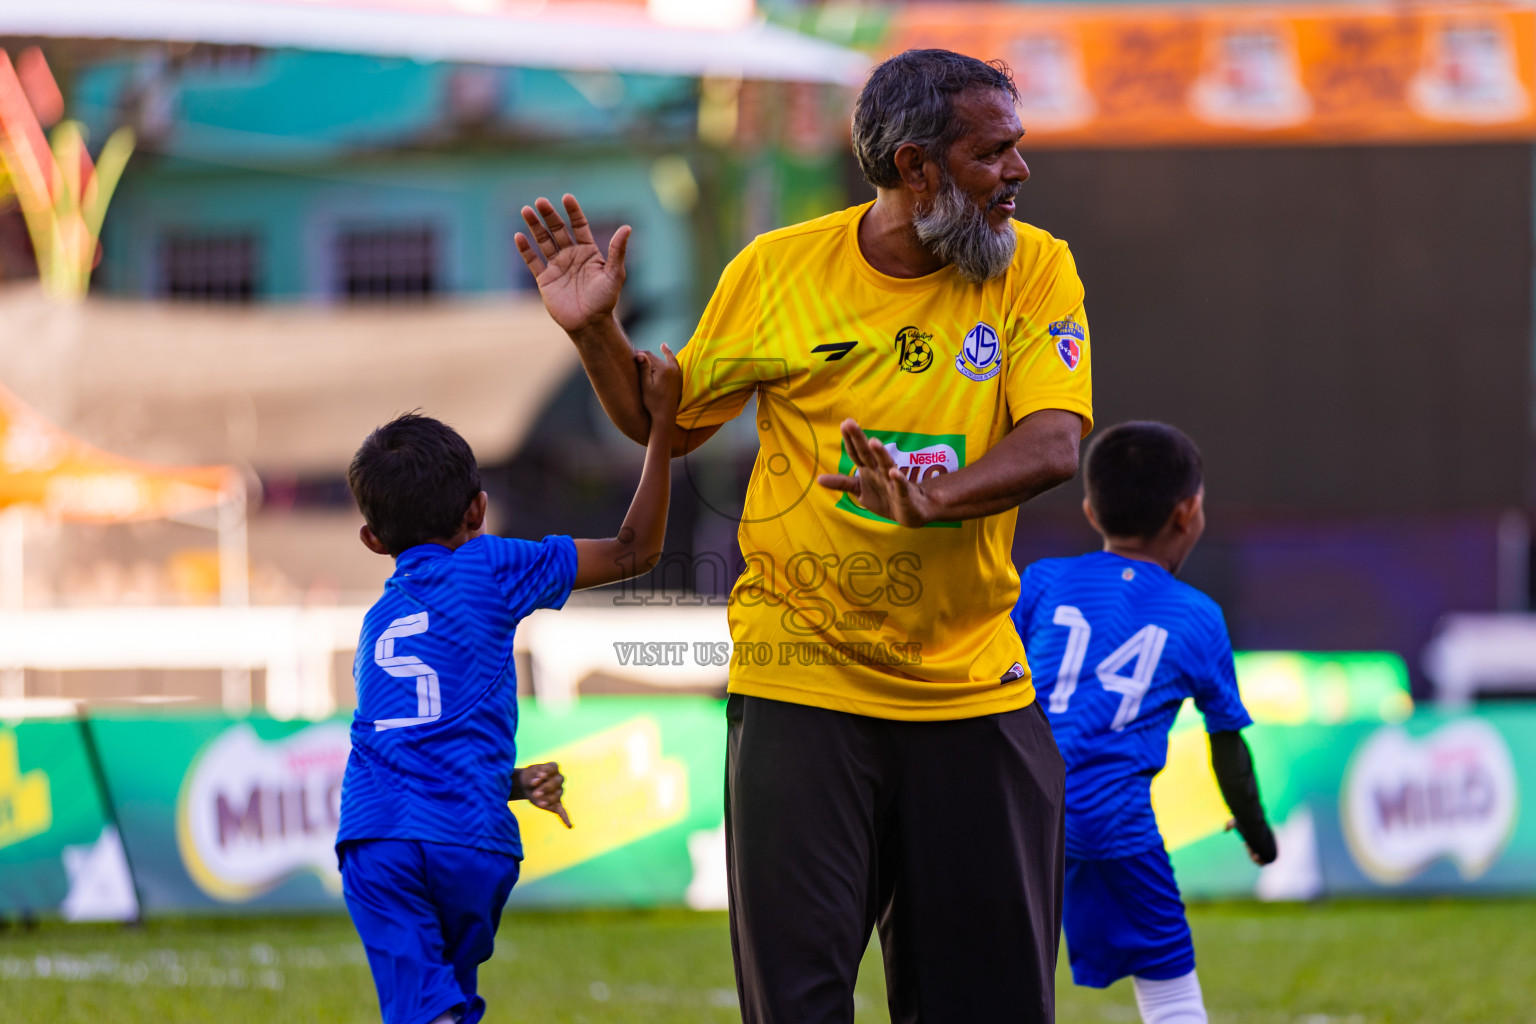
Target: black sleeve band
{"x":1233,"y":764}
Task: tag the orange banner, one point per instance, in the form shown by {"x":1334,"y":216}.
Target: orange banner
{"x":43,"y":467}
{"x":1138,"y":76}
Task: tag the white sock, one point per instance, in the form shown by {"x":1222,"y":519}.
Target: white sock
{"x":1175,"y":1001}
{"x":449,"y":1017}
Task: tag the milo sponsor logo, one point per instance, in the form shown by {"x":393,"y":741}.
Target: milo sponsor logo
{"x":920,"y":456}
{"x":1408,"y":801}
{"x":253,"y":812}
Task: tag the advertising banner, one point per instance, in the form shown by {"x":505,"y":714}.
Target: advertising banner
{"x":239,"y":815}
{"x":1429,"y":804}
{"x":221,"y":814}
{"x":59,"y":852}
{"x":1200,"y":75}
{"x":645,"y":787}
{"x":1295,"y":688}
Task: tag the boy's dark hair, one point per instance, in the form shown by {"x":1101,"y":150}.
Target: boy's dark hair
{"x":911,"y":98}
{"x":413,"y":479}
{"x":1136,"y":473}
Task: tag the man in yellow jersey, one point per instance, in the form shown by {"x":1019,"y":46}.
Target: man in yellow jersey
{"x":921,"y":367}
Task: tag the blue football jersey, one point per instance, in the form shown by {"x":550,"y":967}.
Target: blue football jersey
{"x":1116,"y":645}
{"x":433,"y":745}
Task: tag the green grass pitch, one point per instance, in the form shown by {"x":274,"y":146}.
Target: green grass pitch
{"x":1446,"y":962}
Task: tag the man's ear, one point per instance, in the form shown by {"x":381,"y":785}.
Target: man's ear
{"x":913,"y":166}
{"x":474,"y":516}
{"x":371,"y":542}
{"x":1088,"y":515}
{"x":1186,"y":511}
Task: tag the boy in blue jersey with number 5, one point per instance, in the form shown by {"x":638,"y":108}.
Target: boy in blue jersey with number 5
{"x":429,"y":850}
{"x":1127,"y":643}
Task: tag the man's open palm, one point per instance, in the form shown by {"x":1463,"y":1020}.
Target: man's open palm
{"x":876,"y":483}
{"x":579,"y":285}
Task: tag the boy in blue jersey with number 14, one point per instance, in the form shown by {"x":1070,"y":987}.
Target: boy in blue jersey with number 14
{"x":1128,"y":643}
{"x":429,"y":849}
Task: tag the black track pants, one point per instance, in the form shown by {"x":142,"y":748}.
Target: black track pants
{"x":947,"y":835}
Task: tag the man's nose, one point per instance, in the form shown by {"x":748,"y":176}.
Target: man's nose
{"x":1015,"y":169}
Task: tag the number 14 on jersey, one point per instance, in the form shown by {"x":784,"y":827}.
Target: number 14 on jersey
{"x":1145,"y":648}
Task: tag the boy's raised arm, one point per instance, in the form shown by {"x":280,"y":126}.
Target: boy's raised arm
{"x":638,"y":545}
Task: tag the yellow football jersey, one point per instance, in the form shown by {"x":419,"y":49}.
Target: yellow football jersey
{"x":838,"y":607}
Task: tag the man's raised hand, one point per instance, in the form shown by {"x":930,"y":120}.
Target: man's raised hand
{"x":579,"y":285}
{"x":876,"y":483}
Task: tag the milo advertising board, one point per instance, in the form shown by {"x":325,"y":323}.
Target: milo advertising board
{"x":205,"y":813}
{"x":225,"y":814}
{"x":1433,"y":805}
{"x":1364,"y":797}
{"x":645,"y":787}
{"x":216,"y":812}
{"x":1299,"y":703}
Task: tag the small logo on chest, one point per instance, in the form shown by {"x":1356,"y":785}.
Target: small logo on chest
{"x":914,"y":350}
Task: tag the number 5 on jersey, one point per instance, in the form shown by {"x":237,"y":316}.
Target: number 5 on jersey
{"x":1145,"y":648}
{"x":429,"y":706}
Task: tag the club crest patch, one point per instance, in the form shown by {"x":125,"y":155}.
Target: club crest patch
{"x":981,"y":355}
{"x":1069,"y":338}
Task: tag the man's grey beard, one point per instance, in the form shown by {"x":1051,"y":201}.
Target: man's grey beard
{"x":956,"y":230}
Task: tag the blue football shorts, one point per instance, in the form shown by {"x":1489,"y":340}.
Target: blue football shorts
{"x":427,"y":914}
{"x":1123,"y":916}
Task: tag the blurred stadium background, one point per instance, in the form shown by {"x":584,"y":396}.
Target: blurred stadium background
{"x":237,"y":234}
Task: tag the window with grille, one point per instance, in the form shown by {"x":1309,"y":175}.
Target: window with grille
{"x":209,"y":268}
{"x":209,"y":59}
{"x":384,"y":264}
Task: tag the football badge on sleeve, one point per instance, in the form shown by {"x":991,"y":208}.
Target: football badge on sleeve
{"x":1069,"y":337}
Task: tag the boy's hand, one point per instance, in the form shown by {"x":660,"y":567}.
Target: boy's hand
{"x":661,"y":383}
{"x":541,"y":785}
{"x":1262,"y":857}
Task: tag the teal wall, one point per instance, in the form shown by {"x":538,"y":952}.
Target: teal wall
{"x":472,"y":199}
{"x":293,"y":146}
{"x":283,"y":105}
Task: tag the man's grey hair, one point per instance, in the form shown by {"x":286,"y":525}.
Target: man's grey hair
{"x":911,"y":98}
